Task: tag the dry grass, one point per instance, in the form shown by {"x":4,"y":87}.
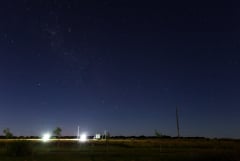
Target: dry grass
{"x":128,"y":149}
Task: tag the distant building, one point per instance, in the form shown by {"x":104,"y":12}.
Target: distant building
{"x":97,"y":136}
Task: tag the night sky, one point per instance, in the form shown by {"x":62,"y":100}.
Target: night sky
{"x":121,"y":66}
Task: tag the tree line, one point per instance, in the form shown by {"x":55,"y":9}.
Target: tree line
{"x":57,"y":132}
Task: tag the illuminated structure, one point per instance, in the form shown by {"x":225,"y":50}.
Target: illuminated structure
{"x":97,"y":136}
{"x":46,"y":137}
{"x":83,"y":138}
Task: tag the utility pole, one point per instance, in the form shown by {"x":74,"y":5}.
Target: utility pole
{"x":105,"y":134}
{"x":177,"y":119}
{"x":78,"y":135}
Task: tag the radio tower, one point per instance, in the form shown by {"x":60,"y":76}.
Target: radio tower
{"x":177,"y":119}
{"x":78,"y":135}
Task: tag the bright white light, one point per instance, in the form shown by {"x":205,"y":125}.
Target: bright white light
{"x":83,"y":138}
{"x":46,"y":137}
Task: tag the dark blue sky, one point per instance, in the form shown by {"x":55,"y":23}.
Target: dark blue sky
{"x":122,"y":66}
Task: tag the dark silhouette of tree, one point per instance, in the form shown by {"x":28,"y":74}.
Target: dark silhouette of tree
{"x":57,"y":132}
{"x":7,"y":133}
{"x":158,"y":134}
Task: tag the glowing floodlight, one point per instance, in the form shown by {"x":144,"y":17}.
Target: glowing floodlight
{"x":46,"y":137}
{"x":83,"y":138}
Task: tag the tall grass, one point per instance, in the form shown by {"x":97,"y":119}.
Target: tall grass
{"x":18,"y":148}
{"x":125,"y":150}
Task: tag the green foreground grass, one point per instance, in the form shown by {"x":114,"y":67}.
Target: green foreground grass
{"x":121,"y":150}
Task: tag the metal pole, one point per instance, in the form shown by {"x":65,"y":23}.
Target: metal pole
{"x":78,"y":135}
{"x":177,"y":119}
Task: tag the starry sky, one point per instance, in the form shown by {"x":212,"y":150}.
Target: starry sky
{"x":121,"y":66}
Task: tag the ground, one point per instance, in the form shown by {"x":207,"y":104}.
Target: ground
{"x":121,"y":150}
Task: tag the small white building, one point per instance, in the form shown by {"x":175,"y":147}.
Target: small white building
{"x":97,"y":136}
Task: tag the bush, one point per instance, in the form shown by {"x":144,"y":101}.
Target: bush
{"x":18,"y":148}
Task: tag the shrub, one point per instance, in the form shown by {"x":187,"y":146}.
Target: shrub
{"x":18,"y":148}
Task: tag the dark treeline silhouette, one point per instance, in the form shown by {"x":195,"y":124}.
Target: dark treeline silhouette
{"x":123,"y":137}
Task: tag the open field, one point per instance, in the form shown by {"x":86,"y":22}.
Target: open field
{"x":120,"y":150}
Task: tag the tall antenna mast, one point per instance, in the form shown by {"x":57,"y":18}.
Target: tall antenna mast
{"x":78,"y":135}
{"x":105,"y":134}
{"x":177,"y":119}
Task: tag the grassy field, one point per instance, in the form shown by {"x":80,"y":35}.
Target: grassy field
{"x":121,"y":150}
